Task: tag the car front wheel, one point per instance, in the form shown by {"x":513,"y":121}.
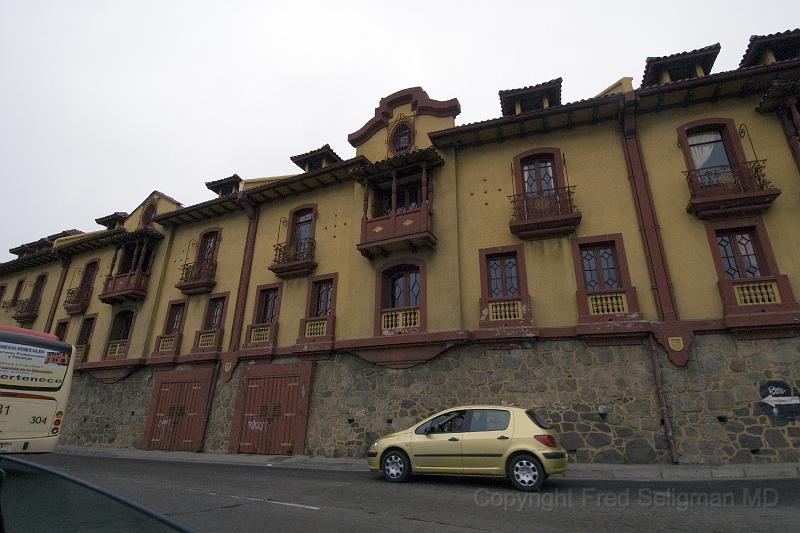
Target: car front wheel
{"x":395,"y":466}
{"x":526,"y":473}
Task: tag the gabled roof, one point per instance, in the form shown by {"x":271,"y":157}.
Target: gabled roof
{"x":109,"y":221}
{"x":551,"y":89}
{"x":758,"y":43}
{"x":217,"y":185}
{"x":655,"y":65}
{"x":325,"y":151}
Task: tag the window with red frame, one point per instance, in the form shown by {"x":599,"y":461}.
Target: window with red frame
{"x":214,"y":313}
{"x":710,"y":156}
{"x":402,"y":287}
{"x":121,"y":326}
{"x":2,"y":292}
{"x":402,"y":138}
{"x":267,"y":306}
{"x":600,"y":270}
{"x":740,"y":254}
{"x":85,"y":333}
{"x":538,"y":175}
{"x":17,"y":291}
{"x":61,"y":329}
{"x":321,"y":298}
{"x":503,"y":276}
{"x":174,"y":318}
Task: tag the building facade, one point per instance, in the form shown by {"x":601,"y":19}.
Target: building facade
{"x":624,"y":264}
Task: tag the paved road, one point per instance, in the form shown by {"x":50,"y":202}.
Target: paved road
{"x":231,"y":498}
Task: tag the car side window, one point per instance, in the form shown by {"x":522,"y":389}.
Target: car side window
{"x":488,"y":420}
{"x":452,"y":422}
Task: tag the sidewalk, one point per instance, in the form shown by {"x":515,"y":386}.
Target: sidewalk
{"x":649,"y":472}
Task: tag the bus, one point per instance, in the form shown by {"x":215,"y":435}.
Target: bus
{"x":35,"y":379}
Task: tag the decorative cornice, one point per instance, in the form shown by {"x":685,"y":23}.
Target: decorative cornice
{"x":421,"y":104}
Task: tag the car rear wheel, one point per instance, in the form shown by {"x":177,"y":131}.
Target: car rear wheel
{"x":395,"y":466}
{"x":526,"y":473}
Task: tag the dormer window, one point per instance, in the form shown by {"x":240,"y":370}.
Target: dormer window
{"x":680,"y":66}
{"x":316,"y":159}
{"x":534,"y":98}
{"x":225,"y":186}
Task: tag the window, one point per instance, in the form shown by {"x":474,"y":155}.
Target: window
{"x":87,"y":279}
{"x":321,"y":298}
{"x":148,"y":214}
{"x":126,"y":259}
{"x":452,"y":422}
{"x":503,"y":277}
{"x":402,"y":138}
{"x":121,"y":326}
{"x":2,"y":293}
{"x":85,"y":333}
{"x":409,"y":191}
{"x":600,"y":267}
{"x":403,"y":287}
{"x":175,"y":318}
{"x":17,"y":291}
{"x":504,"y":298}
{"x":740,"y":254}
{"x":207,"y":251}
{"x":538,"y":175}
{"x":604,"y":289}
{"x":214,"y":311}
{"x":61,"y":329}
{"x":302,"y":222}
{"x":266,"y":306}
{"x":488,"y":420}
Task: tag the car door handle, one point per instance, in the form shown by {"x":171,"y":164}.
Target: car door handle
{"x":453,"y":439}
{"x":502,"y":437}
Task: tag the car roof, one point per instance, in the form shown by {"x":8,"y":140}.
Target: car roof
{"x":486,"y":406}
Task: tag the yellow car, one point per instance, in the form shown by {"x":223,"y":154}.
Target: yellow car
{"x":488,"y":440}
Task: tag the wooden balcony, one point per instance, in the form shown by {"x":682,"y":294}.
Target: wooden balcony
{"x":197,"y":278}
{"x":26,"y":310}
{"x":294,"y":260}
{"x":407,"y":230}
{"x":730,"y":191}
{"x":130,"y":286}
{"x":545,"y":216}
{"x":167,"y":345}
{"x":77,"y":300}
{"x":608,"y":303}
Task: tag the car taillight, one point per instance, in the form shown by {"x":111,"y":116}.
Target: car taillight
{"x":54,"y":431}
{"x":547,"y":440}
{"x":57,"y":422}
{"x":60,"y":414}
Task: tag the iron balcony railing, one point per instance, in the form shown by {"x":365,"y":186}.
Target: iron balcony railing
{"x":29,"y":306}
{"x":291,"y":252}
{"x":551,"y":203}
{"x":78,"y":296}
{"x":747,"y":177}
{"x":200,"y":271}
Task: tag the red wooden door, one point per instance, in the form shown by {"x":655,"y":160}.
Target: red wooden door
{"x":271,"y":409}
{"x":178,"y":410}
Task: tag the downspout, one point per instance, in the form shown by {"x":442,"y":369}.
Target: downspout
{"x":65,"y":262}
{"x":244,"y":276}
{"x":151,"y":324}
{"x":662,"y":401}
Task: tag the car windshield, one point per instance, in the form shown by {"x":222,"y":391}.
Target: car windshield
{"x":34,"y":498}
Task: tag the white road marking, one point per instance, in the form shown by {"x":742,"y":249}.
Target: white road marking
{"x":261,"y":500}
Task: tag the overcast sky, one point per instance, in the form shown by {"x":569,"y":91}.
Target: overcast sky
{"x":102,"y":102}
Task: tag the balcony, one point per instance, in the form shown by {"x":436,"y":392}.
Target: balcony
{"x":405,"y":230}
{"x":197,"y":278}
{"x":294,"y":260}
{"x":730,"y":191}
{"x":400,"y":320}
{"x":77,"y":300}
{"x":116,"y":350}
{"x":546,"y":216}
{"x":130,"y":286}
{"x":167,"y":345}
{"x":208,"y":341}
{"x":607,"y":303}
{"x":26,"y":310}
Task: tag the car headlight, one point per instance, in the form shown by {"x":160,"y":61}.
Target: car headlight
{"x":374,"y":445}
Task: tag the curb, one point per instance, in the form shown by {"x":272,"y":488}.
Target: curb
{"x":582,"y":472}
